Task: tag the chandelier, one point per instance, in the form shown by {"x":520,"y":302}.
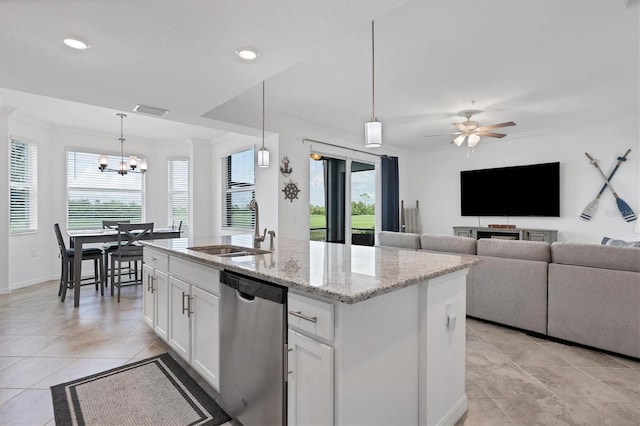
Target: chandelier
{"x":125,"y":166}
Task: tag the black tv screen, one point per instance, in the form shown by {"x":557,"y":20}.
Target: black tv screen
{"x":531,"y":190}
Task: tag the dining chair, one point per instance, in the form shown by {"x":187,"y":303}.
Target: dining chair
{"x":128,"y":250}
{"x":109,"y":248}
{"x":66,"y":274}
{"x":176,"y":225}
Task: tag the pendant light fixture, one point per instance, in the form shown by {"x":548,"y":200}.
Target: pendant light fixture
{"x":373,"y":127}
{"x":263,"y":153}
{"x":132,"y":166}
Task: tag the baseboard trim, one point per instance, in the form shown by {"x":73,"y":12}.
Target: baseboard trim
{"x":456,"y":412}
{"x":29,"y":283}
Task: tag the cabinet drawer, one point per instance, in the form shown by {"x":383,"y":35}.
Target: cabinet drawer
{"x":310,"y":315}
{"x":204,"y":277}
{"x":156,"y":259}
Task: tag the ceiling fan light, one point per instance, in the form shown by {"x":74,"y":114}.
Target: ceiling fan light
{"x":459,"y":140}
{"x":470,"y":125}
{"x":473,"y":139}
{"x":373,"y":134}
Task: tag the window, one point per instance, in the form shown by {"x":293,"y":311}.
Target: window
{"x":179,"y":191}
{"x":238,"y":189}
{"x":23,"y":210}
{"x":342,"y":192}
{"x":94,"y":196}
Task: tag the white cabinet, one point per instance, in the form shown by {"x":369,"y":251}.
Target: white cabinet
{"x":310,"y":361}
{"x":194,"y":311}
{"x":310,"y":381}
{"x":155,"y":295}
{"x":179,"y":317}
{"x":148,"y":300}
{"x":205,"y":335}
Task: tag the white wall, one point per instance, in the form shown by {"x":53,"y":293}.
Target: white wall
{"x":435,"y":179}
{"x":5,"y":113}
{"x":30,"y":254}
{"x":293,"y":216}
{"x":266,"y":181}
{"x":33,"y":257}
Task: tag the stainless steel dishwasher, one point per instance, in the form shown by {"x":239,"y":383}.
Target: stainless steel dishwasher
{"x":252,"y":350}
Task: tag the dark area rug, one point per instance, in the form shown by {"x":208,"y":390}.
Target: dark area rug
{"x":154,"y":391}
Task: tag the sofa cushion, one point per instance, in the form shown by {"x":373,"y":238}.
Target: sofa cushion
{"x":399,"y":239}
{"x":611,"y":242}
{"x":448,"y":243}
{"x":514,"y":249}
{"x":596,"y":256}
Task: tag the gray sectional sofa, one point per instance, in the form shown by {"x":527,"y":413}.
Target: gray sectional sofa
{"x":583,"y":293}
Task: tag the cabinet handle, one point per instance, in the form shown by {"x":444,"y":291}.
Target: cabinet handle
{"x":150,"y":279}
{"x":184,"y":308}
{"x":189,"y":311}
{"x":153,"y":259}
{"x":299,"y":314}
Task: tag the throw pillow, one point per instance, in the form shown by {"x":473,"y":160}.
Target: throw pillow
{"x":620,"y":243}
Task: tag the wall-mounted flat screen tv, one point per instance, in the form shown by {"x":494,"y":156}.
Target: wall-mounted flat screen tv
{"x":531,"y":190}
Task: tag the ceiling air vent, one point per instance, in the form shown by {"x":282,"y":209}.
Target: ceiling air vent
{"x":145,"y":109}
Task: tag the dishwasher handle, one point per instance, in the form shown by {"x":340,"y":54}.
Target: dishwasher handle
{"x":251,"y":287}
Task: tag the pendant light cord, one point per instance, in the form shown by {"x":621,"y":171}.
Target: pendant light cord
{"x":122,"y":116}
{"x":373,"y":73}
{"x":262,"y":114}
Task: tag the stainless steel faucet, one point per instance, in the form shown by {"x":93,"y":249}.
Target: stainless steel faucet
{"x":257,"y":238}
{"x":272,"y":234}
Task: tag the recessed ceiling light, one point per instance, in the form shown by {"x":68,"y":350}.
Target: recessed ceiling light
{"x":247,"y":53}
{"x":76,"y":43}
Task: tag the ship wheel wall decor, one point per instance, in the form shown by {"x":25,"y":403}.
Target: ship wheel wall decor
{"x":290,"y":190}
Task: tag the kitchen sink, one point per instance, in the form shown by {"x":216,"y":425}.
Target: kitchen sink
{"x":225,"y":250}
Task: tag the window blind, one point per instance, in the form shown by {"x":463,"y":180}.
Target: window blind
{"x":238,"y":189}
{"x":23,"y":203}
{"x":179,"y":191}
{"x":94,"y":196}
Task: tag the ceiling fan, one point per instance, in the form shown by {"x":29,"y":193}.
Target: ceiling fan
{"x":471,"y":131}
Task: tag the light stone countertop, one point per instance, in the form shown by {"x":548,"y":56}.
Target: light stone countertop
{"x":344,"y":273}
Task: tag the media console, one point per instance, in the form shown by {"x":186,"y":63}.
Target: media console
{"x":548,"y":235}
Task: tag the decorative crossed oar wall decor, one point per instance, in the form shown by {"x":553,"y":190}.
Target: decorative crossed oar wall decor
{"x":626,"y":211}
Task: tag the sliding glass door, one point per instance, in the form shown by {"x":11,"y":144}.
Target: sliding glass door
{"x":342,"y":200}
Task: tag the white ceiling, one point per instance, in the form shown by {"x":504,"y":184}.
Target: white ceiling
{"x":540,"y":63}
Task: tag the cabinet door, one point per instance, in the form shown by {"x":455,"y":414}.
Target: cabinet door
{"x":179,"y":334}
{"x":205,"y":335}
{"x":310,"y":385}
{"x":161,"y":293}
{"x":147,"y":295}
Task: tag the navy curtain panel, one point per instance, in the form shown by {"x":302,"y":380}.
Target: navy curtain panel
{"x":334,"y":183}
{"x":390,"y":194}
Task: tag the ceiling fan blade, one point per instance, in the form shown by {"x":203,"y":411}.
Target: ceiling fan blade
{"x":460,"y":126}
{"x":491,"y":134}
{"x":496,"y":126}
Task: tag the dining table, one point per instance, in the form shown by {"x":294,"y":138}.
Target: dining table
{"x":77,"y":238}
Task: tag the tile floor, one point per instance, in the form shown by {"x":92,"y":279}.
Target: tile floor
{"x":512,"y":378}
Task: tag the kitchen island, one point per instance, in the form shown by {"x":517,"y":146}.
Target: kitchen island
{"x":375,"y":335}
